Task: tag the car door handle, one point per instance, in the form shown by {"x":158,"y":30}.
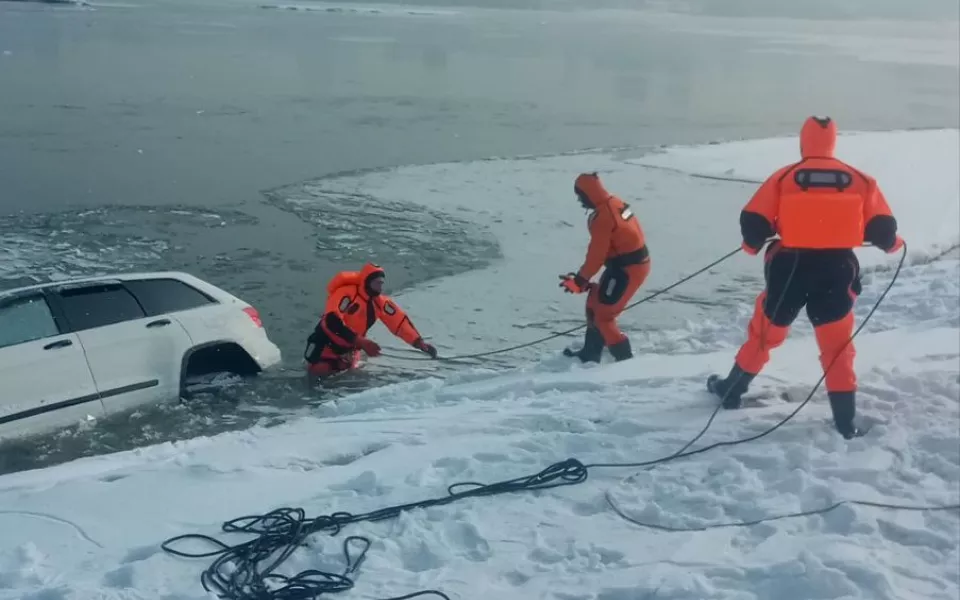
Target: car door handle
{"x":58,"y":344}
{"x":159,"y":323}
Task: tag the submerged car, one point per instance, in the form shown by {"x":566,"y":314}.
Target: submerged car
{"x":85,"y":348}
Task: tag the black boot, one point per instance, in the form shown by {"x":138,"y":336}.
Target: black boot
{"x":844,"y":407}
{"x":731,"y":389}
{"x":592,"y":346}
{"x":621,"y":350}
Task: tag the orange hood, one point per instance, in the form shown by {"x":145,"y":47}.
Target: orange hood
{"x":369,"y":271}
{"x":357,"y":278}
{"x":590,"y":190}
{"x":818,"y":137}
{"x":344,"y":278}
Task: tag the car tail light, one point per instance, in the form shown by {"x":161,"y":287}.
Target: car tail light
{"x":254,"y":316}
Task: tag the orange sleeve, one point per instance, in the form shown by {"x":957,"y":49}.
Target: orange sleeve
{"x":334,"y":300}
{"x":333,"y":323}
{"x":880,"y":226}
{"x":758,"y":219}
{"x":875,"y":204}
{"x":396,"y":320}
{"x":601,"y":229}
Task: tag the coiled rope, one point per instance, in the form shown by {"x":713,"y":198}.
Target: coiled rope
{"x":248,"y":570}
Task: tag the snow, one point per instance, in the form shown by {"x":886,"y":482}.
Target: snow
{"x":529,"y":206}
{"x":922,"y":187}
{"x":92,"y":528}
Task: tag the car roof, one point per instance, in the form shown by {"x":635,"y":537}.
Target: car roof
{"x":119,"y":277}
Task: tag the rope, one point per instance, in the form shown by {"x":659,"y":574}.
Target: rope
{"x":683,"y":453}
{"x":568,"y":331}
{"x":780,"y":517}
{"x":238,"y":572}
{"x":776,"y":310}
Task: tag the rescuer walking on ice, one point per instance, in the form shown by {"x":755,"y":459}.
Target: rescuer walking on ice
{"x":821,"y":208}
{"x":617,"y":242}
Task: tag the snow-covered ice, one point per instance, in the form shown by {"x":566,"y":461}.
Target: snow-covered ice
{"x":92,"y":528}
{"x":922,"y":187}
{"x":689,"y":222}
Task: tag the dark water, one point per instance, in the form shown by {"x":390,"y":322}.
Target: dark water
{"x":185,"y":135}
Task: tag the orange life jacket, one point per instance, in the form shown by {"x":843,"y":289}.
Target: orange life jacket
{"x":616,"y":237}
{"x":820,"y":202}
{"x":351,"y":302}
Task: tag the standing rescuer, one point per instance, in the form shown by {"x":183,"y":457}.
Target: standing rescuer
{"x":355,"y":301}
{"x":821,"y":208}
{"x":618,"y":243}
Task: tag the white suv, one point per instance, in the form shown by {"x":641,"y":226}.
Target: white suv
{"x":80,"y":349}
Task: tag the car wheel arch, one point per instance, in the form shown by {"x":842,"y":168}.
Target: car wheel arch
{"x":191,"y":353}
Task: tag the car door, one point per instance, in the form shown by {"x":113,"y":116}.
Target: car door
{"x":193,"y":309}
{"x":135,"y":358}
{"x":45,"y":382}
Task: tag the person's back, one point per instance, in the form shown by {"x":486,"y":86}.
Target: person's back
{"x":820,"y":202}
{"x":821,"y":208}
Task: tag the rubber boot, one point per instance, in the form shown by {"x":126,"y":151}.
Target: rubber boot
{"x":731,"y":389}
{"x":844,"y":407}
{"x":621,"y":350}
{"x":592,"y":346}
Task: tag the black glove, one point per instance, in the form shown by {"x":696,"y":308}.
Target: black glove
{"x":425,"y":347}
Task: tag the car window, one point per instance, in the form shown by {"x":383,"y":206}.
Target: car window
{"x":159,"y":296}
{"x":25,"y":319}
{"x":98,"y":305}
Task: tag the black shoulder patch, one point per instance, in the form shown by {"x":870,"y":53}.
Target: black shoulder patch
{"x":822,"y":178}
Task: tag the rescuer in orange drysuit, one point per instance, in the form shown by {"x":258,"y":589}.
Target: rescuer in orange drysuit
{"x":355,"y":302}
{"x":618,"y":243}
{"x":821,"y":208}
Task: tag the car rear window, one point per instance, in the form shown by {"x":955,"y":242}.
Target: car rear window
{"x":99,"y":305}
{"x":160,"y":296}
{"x":25,"y":319}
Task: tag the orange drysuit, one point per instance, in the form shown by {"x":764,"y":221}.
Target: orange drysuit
{"x":821,"y":208}
{"x":617,"y":242}
{"x":354,"y":303}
